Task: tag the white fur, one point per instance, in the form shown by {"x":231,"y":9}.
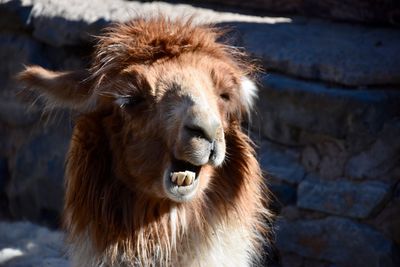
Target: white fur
{"x":227,"y":246}
{"x":83,"y":254}
{"x":248,"y":93}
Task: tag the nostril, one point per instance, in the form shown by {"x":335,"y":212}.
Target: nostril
{"x":196,"y":131}
{"x":203,"y":128}
{"x":212,"y":151}
{"x":212,"y":146}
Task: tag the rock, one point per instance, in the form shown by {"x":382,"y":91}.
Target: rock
{"x":36,"y":188}
{"x":317,"y":263}
{"x":291,"y":260}
{"x":313,"y":49}
{"x":14,"y":14}
{"x":356,"y":200}
{"x":17,"y":114}
{"x":326,"y":157}
{"x":17,"y":50}
{"x":382,"y":156}
{"x":293,"y":213}
{"x":337,"y":240}
{"x":283,"y":194}
{"x":303,"y":106}
{"x":310,"y":158}
{"x":319,"y":50}
{"x":3,"y":173}
{"x":290,"y":213}
{"x":4,"y":177}
{"x":69,"y":58}
{"x":271,"y":126}
{"x":281,"y":164}
{"x":369,"y":11}
{"x":23,"y":244}
{"x":388,"y":220}
{"x":61,"y":23}
{"x":334,"y":157}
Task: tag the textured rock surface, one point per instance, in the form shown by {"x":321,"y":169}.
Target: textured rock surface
{"x":382,"y":156}
{"x":27,"y":245}
{"x":388,"y":221}
{"x":357,"y":200}
{"x":280,"y":163}
{"x":16,"y":50}
{"x":71,"y":22}
{"x":13,"y":113}
{"x":351,"y":55}
{"x":4,"y":177}
{"x":291,"y":260}
{"x":339,"y":53}
{"x":35,"y":189}
{"x":337,"y":240}
{"x":283,"y":194}
{"x":369,"y":11}
{"x":287,"y":105}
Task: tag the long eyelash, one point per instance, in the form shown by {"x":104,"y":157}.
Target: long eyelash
{"x":114,"y":95}
{"x":119,"y":99}
{"x":121,"y":102}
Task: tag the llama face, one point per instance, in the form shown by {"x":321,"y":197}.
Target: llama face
{"x":180,"y":108}
{"x":166,"y":94}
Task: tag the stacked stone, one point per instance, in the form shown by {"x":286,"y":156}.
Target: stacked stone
{"x":329,"y":111}
{"x":327,"y":120}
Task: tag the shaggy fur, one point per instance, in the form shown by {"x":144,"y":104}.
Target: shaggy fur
{"x":116,"y":212}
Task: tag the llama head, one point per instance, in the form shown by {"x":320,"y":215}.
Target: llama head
{"x":169,"y":94}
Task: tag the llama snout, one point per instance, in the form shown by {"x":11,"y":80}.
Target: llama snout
{"x":201,"y":138}
{"x":200,"y":143}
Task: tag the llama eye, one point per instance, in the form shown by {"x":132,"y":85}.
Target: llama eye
{"x":225,"y":96}
{"x":128,"y":101}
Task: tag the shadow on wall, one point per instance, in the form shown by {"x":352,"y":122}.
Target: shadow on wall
{"x":384,"y":12}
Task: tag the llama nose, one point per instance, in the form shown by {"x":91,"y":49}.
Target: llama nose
{"x":206,"y":129}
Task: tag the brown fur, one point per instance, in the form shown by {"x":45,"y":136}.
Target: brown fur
{"x":116,"y":157}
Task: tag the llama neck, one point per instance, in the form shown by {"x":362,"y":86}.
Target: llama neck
{"x":120,"y":222}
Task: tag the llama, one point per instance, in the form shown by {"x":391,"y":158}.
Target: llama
{"x":159,"y":172}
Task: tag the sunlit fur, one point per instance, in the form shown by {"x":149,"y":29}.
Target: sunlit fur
{"x":116,"y":213}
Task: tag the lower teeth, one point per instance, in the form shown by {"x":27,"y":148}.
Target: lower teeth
{"x":183,"y":178}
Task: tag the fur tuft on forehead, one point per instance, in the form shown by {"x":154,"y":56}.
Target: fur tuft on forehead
{"x":145,"y":41}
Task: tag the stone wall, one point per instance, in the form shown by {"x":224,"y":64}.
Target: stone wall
{"x":384,"y":12}
{"x":327,"y":122}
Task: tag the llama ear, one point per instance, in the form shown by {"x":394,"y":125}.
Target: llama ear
{"x":248,"y":93}
{"x":59,"y":89}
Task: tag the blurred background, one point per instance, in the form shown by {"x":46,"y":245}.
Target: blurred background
{"x":327,"y":121}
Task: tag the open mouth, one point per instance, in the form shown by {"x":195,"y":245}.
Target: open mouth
{"x":181,"y":180}
{"x":183,"y":173}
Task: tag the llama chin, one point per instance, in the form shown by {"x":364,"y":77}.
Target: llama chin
{"x":159,"y":172}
